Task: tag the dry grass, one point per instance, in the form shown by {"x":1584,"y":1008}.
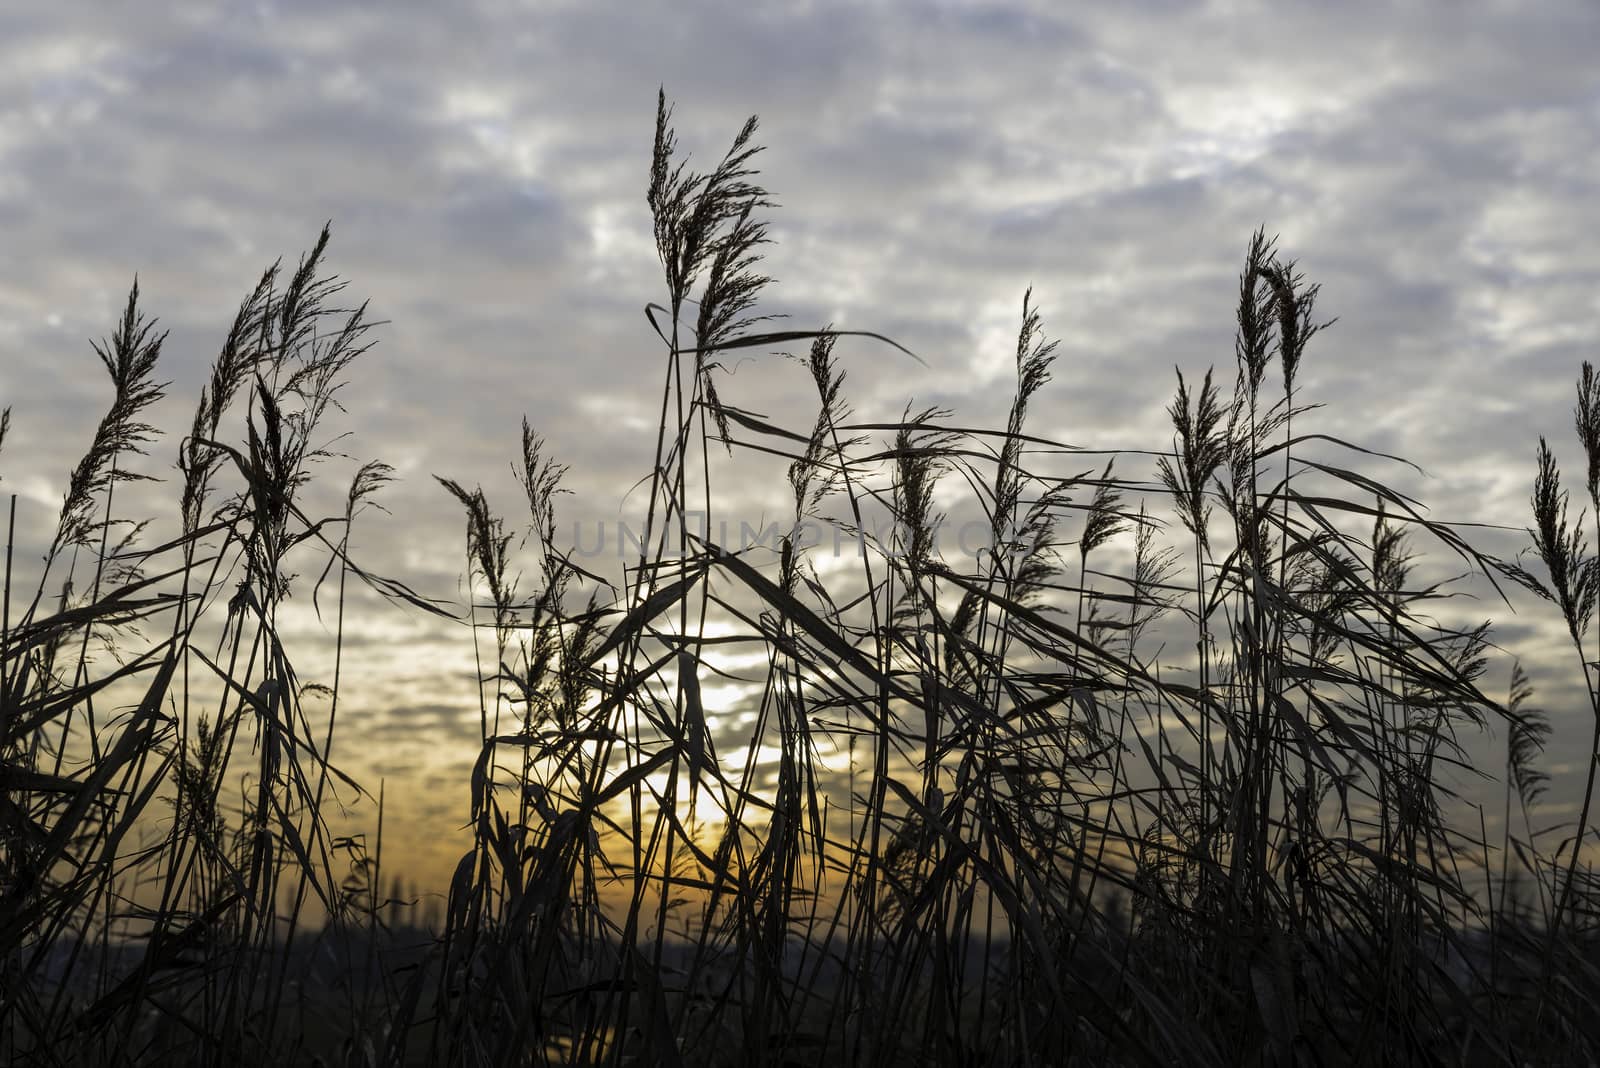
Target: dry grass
{"x":1158,"y":781}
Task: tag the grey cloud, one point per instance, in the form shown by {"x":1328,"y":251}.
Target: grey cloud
{"x":484,"y":168}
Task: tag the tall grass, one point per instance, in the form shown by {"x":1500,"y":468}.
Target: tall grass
{"x":1161,"y":776}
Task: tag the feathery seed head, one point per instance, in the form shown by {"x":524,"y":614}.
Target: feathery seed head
{"x":1586,"y":417}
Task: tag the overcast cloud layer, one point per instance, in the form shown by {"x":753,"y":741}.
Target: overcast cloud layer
{"x":484,"y":166}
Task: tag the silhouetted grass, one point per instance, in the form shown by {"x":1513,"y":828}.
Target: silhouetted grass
{"x":1158,"y":779}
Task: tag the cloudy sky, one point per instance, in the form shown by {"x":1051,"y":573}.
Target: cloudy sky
{"x":1436,"y":168}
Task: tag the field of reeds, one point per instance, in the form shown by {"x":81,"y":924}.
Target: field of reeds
{"x":1159,"y":776}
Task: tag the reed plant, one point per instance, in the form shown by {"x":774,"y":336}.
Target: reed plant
{"x":1162,"y":775}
